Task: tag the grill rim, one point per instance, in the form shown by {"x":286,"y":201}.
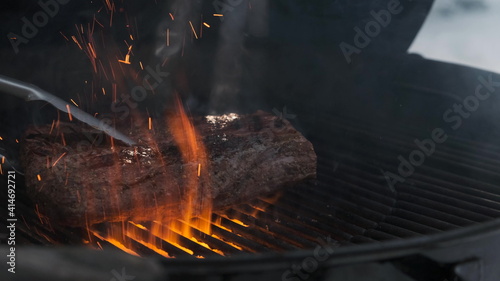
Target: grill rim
{"x":348,"y":254}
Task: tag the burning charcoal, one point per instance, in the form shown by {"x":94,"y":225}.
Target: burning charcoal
{"x":187,"y":167}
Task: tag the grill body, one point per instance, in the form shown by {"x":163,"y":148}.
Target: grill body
{"x":352,"y":222}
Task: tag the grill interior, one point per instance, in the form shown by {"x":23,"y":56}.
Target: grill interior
{"x":350,"y":202}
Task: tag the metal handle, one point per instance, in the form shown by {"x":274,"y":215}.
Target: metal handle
{"x":30,"y":92}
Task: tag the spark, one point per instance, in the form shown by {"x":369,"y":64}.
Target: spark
{"x":199,"y":169}
{"x":201,"y":26}
{"x":76,"y":41}
{"x":206,"y":24}
{"x":92,"y":51}
{"x":164,"y":61}
{"x":37,"y":212}
{"x":25,"y":223}
{"x":171,"y":16}
{"x":69,"y":112}
{"x":126,"y":61}
{"x":3,"y":159}
{"x":39,"y":178}
{"x":131,"y":37}
{"x":96,"y":21}
{"x":64,"y":36}
{"x":150,"y":123}
{"x":127,"y":56}
{"x":63,"y":140}
{"x":1,"y":170}
{"x":74,"y":102}
{"x":62,"y":155}
{"x":111,"y":17}
{"x":218,"y":15}
{"x":142,"y":67}
{"x":1,"y":138}
{"x":58,"y":122}
{"x":17,"y":141}
{"x":194,"y":31}
{"x":103,"y":91}
{"x":113,"y":89}
{"x":52,"y":126}
{"x":168,"y":37}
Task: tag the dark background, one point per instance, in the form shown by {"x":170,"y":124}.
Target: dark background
{"x":296,"y":63}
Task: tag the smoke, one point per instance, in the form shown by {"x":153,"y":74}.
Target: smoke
{"x":228,"y":66}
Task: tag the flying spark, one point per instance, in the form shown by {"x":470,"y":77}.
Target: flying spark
{"x":69,"y":112}
{"x":194,"y":31}
{"x":60,"y":157}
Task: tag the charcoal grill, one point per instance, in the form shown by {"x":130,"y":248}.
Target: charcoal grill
{"x":440,"y":223}
{"x":349,"y":204}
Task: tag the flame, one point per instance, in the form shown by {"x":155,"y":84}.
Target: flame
{"x":111,"y":69}
{"x":196,"y":201}
{"x":194,"y":155}
{"x":197,"y":218}
{"x":116,"y":243}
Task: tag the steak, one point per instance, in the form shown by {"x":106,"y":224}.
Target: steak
{"x":234,"y":159}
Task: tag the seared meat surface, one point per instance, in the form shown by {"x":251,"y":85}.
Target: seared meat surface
{"x":243,"y":157}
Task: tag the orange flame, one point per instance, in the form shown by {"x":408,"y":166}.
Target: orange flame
{"x":197,"y":201}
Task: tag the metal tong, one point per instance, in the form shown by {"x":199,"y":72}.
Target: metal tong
{"x":30,"y":92}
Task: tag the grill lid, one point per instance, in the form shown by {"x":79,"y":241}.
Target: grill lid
{"x":384,"y":27}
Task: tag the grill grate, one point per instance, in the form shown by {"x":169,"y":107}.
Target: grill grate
{"x":350,"y":201}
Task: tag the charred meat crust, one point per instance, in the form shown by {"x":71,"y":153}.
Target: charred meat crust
{"x":248,"y":156}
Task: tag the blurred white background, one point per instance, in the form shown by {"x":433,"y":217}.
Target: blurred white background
{"x":462,"y":31}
